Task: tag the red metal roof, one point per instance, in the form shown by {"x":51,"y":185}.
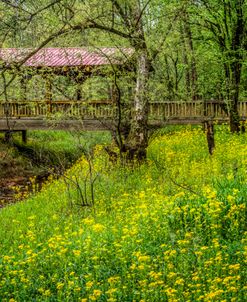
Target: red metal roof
{"x":58,"y":57}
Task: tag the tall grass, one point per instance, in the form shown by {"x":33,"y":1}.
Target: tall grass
{"x":173,"y":229}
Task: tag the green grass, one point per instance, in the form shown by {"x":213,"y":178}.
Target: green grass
{"x":173,"y":229}
{"x":59,"y":147}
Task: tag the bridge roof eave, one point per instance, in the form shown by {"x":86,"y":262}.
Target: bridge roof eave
{"x":71,"y":71}
{"x":65,"y":58}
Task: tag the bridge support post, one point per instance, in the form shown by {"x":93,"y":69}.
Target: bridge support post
{"x":7,"y":136}
{"x":24,"y":136}
{"x":209,"y":129}
{"x":243,"y":127}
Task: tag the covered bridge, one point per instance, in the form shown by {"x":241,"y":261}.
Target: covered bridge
{"x":71,"y":81}
{"x":74,"y":88}
{"x":51,"y":64}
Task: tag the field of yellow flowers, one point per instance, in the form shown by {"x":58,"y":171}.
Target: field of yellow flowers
{"x":172,"y":229}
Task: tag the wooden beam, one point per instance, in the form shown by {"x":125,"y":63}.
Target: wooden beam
{"x":48,"y":93}
{"x":44,"y":124}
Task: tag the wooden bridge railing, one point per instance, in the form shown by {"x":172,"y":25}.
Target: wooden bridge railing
{"x":195,"y":109}
{"x":99,"y":109}
{"x":106,"y":109}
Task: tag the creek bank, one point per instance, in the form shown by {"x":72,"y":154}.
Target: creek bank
{"x":23,"y":171}
{"x":17,"y":188}
{"x":25,"y":167}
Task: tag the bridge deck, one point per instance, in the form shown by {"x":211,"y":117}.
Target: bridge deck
{"x":101,"y":115}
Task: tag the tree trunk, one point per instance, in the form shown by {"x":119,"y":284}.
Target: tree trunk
{"x":236,"y":66}
{"x":186,"y":64}
{"x":193,"y":69}
{"x":234,"y":119}
{"x":170,"y":89}
{"x":137,"y":141}
{"x":234,"y":114}
{"x":191,"y":76}
{"x":232,"y":93}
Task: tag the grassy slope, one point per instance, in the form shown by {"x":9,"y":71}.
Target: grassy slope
{"x":171,"y":230}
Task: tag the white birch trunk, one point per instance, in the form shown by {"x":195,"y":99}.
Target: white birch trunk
{"x":138,"y":137}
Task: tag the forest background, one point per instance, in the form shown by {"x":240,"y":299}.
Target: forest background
{"x":184,"y":50}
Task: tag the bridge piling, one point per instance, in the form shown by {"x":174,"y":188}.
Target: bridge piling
{"x":209,"y":129}
{"x":7,"y":136}
{"x":24,"y":136}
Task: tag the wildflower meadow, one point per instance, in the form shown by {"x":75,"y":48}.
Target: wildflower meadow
{"x":172,"y":229}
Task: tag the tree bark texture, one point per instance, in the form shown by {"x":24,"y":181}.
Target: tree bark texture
{"x":138,"y":137}
{"x":191,"y":73}
{"x":236,"y":66}
{"x":232,"y":45}
{"x":137,"y":140}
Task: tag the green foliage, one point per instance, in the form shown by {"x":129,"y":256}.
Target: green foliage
{"x":180,"y":36}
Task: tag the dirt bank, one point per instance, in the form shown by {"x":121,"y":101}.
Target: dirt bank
{"x":21,"y":173}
